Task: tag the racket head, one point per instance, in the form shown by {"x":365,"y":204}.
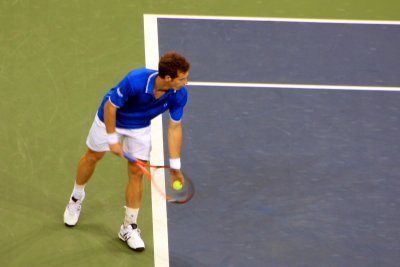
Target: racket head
{"x":183,"y":195}
{"x":171,"y":195}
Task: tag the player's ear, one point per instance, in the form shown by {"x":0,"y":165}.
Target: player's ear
{"x":167,"y":78}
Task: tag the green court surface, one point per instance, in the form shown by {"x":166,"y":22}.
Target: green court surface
{"x":57,"y":59}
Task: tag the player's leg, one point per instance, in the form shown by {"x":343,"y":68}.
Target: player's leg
{"x":129,"y":231}
{"x":137,"y":143}
{"x":86,"y":167}
{"x":134,"y":189}
{"x":97,"y":145}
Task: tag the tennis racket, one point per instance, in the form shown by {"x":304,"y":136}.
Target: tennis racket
{"x":181,"y":196}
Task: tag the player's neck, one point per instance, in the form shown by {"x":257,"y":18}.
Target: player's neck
{"x":160,"y":85}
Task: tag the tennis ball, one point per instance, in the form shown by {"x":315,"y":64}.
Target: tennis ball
{"x":177,"y":185}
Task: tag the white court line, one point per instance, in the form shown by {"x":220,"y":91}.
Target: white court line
{"x":296,"y":86}
{"x":307,"y":20}
{"x":159,"y":206}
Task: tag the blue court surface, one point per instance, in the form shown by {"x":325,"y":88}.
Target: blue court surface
{"x":287,"y":176}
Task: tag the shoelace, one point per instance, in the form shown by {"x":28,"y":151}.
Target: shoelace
{"x":74,"y":207}
{"x":131,"y":231}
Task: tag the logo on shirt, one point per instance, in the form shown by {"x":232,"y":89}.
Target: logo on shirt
{"x":119,"y":93}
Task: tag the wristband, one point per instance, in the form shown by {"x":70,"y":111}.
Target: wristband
{"x":112,"y":138}
{"x":175,"y":164}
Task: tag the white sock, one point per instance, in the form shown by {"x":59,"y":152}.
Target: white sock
{"x":78,"y":192}
{"x":131,"y":216}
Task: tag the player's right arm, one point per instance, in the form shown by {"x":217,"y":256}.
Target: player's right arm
{"x":110,"y":118}
{"x":117,"y":99}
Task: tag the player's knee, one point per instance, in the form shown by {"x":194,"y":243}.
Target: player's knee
{"x":134,"y":170}
{"x":93,"y":157}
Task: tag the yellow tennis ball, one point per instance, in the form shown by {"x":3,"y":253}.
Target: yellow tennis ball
{"x":177,"y":185}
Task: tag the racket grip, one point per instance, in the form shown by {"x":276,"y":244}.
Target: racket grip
{"x":129,"y":157}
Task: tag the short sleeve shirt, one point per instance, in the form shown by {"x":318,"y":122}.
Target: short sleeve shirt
{"x":136,"y":103}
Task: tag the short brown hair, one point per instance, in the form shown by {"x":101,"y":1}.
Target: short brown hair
{"x":172,"y":62}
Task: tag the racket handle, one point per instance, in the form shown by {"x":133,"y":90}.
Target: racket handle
{"x":129,"y":157}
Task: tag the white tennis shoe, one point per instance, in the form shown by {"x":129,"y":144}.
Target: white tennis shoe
{"x":72,"y":211}
{"x":131,"y":235}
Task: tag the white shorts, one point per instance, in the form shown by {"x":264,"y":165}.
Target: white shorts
{"x":136,"y":142}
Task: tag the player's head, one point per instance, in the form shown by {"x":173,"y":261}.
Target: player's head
{"x":172,"y":64}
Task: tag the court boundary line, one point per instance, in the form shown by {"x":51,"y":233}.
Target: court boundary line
{"x":296,"y":86}
{"x":158,"y":203}
{"x":276,"y":19}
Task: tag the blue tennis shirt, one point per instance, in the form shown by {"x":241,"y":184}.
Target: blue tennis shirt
{"x":136,"y":103}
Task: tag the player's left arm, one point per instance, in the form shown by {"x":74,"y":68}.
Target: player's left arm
{"x":175,"y":133}
{"x":175,"y":136}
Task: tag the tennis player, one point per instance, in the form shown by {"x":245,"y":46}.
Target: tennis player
{"x":122,"y":123}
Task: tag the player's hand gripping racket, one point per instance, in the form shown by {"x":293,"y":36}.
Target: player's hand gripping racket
{"x":181,"y":192}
